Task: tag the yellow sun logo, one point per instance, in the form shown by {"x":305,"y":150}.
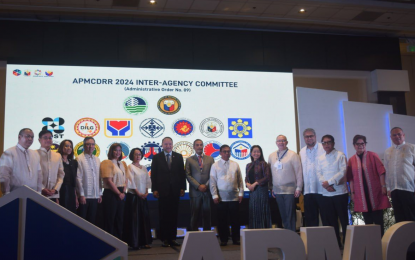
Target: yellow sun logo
{"x":240,"y":128}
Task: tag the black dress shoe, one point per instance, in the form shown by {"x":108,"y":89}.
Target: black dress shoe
{"x":238,"y":243}
{"x":165,"y":244}
{"x":174,"y":243}
{"x":223,"y":243}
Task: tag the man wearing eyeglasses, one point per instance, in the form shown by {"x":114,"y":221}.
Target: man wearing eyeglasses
{"x":52,"y":167}
{"x":21,"y":166}
{"x":399,"y":164}
{"x":312,"y":187}
{"x":227,"y":189}
{"x":287,"y":181}
{"x":331,"y":171}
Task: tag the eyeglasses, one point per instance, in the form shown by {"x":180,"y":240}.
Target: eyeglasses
{"x":360,"y":144}
{"x":46,"y":138}
{"x":328,"y":143}
{"x":308,"y":136}
{"x":226,"y":151}
{"x":281,"y":141}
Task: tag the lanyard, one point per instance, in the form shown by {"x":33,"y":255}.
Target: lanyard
{"x":280,"y":158}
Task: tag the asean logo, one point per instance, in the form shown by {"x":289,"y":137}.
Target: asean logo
{"x":125,"y":149}
{"x":152,"y":128}
{"x":48,"y":73}
{"x":54,"y":125}
{"x":118,"y":128}
{"x":241,"y":150}
{"x":240,"y":127}
{"x":212,"y":148}
{"x":150,"y":149}
{"x":27,"y":73}
{"x":211,"y":127}
{"x":183,"y":127}
{"x":169,"y":105}
{"x":79,"y":149}
{"x":184,"y":148}
{"x":17,"y":72}
{"x":38,"y":72}
{"x":87,"y":127}
{"x":135,"y":105}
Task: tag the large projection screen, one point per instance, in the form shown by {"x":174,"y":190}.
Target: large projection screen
{"x":137,"y":107}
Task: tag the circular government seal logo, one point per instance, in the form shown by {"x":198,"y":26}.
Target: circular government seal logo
{"x":54,"y":147}
{"x":135,"y":105}
{"x":150,"y":149}
{"x":152,"y":128}
{"x":148,"y":167}
{"x":211,"y":127}
{"x":241,"y":150}
{"x":79,"y":149}
{"x":87,"y":127}
{"x":125,"y":148}
{"x":169,"y":105}
{"x":212,"y":148}
{"x":184,"y":148}
{"x":183,"y":127}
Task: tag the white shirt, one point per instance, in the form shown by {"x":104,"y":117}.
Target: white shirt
{"x":309,"y":163}
{"x":18,"y":167}
{"x":52,"y":170}
{"x":226,"y":181}
{"x":400,"y":170}
{"x":289,"y":177}
{"x":332,"y":168}
{"x":140,"y":179}
{"x":88,"y":181}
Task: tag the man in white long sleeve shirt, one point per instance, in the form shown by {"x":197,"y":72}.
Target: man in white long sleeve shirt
{"x":227,"y":189}
{"x":52,"y":167}
{"x":21,"y":166}
{"x":331,"y":171}
{"x":400,"y":169}
{"x":287,"y":181}
{"x":312,"y":187}
{"x":88,"y":182}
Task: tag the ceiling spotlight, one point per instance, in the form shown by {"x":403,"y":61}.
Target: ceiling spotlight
{"x":153,"y":2}
{"x":302,"y":10}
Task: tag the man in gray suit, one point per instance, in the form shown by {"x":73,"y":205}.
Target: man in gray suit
{"x":198,"y":174}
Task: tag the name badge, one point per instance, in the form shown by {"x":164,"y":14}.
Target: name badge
{"x":278,"y":165}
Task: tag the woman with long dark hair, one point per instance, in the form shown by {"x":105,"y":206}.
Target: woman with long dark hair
{"x":257,"y":177}
{"x":67,"y":196}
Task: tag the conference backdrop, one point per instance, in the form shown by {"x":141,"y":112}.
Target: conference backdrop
{"x":138,"y":107}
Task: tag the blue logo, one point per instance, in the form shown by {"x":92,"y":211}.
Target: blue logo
{"x":241,"y":150}
{"x":240,"y":127}
{"x":150,"y":149}
{"x":183,"y":127}
{"x":118,"y":128}
{"x":152,"y":128}
{"x":54,"y":126}
{"x":212,"y":148}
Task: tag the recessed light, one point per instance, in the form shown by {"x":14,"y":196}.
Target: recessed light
{"x":302,"y":10}
{"x":153,"y":2}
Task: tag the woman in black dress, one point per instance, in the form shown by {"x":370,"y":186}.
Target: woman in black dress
{"x":67,"y":193}
{"x":257,"y":176}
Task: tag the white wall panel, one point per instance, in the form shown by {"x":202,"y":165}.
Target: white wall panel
{"x":370,"y":120}
{"x":407,"y":123}
{"x":323,"y":111}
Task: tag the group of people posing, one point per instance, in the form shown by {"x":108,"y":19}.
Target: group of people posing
{"x":320,"y":172}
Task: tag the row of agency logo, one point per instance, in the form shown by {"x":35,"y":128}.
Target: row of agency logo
{"x":240,"y":150}
{"x":36,"y":73}
{"x":137,"y":105}
{"x":151,"y":127}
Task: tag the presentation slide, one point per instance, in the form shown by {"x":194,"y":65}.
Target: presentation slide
{"x":138,"y":107}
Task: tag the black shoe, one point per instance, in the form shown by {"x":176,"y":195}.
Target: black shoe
{"x":238,"y":243}
{"x":165,"y":244}
{"x":174,"y":243}
{"x":223,"y":243}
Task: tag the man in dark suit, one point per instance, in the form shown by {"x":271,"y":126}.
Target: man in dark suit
{"x":168,"y":181}
{"x":198,"y":173}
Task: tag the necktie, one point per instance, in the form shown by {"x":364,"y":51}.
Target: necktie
{"x":200,"y":162}
{"x":168,"y":160}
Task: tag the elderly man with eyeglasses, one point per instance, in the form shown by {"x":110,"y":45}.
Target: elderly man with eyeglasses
{"x":286,"y":180}
{"x":331,"y":171}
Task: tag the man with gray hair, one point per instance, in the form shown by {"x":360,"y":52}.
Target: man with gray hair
{"x":312,"y":187}
{"x":399,"y":164}
{"x":287,"y":181}
{"x":21,"y":166}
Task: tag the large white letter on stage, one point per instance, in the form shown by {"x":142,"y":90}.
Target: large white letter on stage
{"x":200,"y":245}
{"x":363,"y":243}
{"x":397,"y":239}
{"x":255,"y":244}
{"x":320,"y":243}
